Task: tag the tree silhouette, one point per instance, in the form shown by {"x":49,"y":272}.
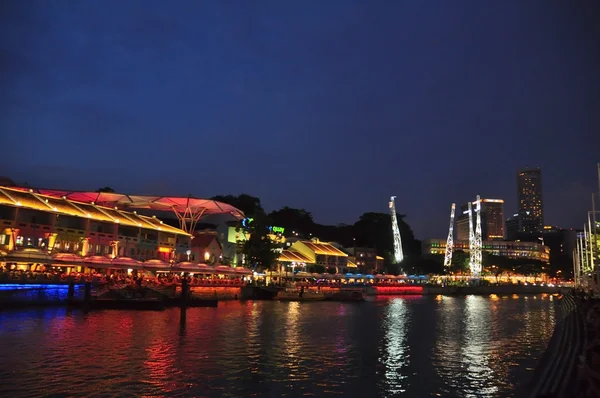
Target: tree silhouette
{"x":249,"y":204}
{"x":259,"y":249}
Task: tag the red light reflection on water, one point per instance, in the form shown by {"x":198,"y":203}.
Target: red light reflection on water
{"x":387,"y":297}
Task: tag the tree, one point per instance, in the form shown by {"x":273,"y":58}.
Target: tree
{"x":375,"y":230}
{"x":106,"y":190}
{"x":294,"y":220}
{"x":460,"y":262}
{"x":259,"y":249}
{"x":249,"y":204}
{"x":433,"y":264}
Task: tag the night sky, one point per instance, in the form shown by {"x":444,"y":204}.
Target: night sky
{"x":331,"y":106}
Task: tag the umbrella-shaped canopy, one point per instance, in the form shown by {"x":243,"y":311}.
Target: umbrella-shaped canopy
{"x":224,"y":269}
{"x":67,"y":259}
{"x":97,"y":261}
{"x":156,"y":265}
{"x":127,"y":262}
{"x":243,"y":271}
{"x":186,"y":266}
{"x":28,"y":256}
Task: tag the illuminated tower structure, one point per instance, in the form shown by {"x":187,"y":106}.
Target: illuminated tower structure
{"x":471,"y":238}
{"x":398,"y":253}
{"x":450,"y":241}
{"x":478,"y":244}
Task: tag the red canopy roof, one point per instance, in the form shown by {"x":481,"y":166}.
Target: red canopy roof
{"x":188,"y":208}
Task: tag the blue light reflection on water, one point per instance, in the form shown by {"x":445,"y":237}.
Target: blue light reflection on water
{"x":37,"y":292}
{"x":450,"y":347}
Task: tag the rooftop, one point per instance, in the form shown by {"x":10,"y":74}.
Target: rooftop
{"x":293,"y":256}
{"x":324,"y":248}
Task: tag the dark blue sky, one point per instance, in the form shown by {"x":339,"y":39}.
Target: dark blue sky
{"x":332,"y":106}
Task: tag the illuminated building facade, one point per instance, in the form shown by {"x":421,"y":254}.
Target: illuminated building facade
{"x":530,"y":201}
{"x":516,"y":250}
{"x":205,"y":248}
{"x":56,"y":225}
{"x":492,"y":220}
{"x":366,"y":259}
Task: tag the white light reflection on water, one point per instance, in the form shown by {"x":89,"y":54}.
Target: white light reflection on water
{"x":447,"y":358}
{"x":394,"y":354}
{"x":253,"y":346}
{"x":293,"y":341}
{"x":479,"y":374}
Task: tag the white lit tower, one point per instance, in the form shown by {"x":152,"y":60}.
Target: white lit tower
{"x":471,"y":239}
{"x":478,"y":244}
{"x":450,"y":241}
{"x":398,"y":254}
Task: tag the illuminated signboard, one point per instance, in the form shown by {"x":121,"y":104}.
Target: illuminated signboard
{"x":277,"y":230}
{"x":273,"y":229}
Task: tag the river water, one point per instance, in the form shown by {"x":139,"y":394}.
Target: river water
{"x":410,"y":346}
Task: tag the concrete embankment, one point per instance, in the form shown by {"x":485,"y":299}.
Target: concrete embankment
{"x":498,"y":290}
{"x":556,"y":373}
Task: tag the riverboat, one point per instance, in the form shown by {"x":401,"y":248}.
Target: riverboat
{"x":299,"y":295}
{"x":347,"y":295}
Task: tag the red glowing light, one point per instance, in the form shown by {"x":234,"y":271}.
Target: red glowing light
{"x":398,"y":290}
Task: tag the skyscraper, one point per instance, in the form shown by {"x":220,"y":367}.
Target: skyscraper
{"x":529,"y":191}
{"x":492,"y":211}
{"x":492,"y":220}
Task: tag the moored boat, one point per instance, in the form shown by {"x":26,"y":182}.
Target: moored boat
{"x":299,"y":295}
{"x":346,"y":295}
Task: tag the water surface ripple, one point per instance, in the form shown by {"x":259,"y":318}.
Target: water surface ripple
{"x":411,"y":346}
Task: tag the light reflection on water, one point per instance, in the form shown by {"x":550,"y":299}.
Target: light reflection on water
{"x":477,"y":347}
{"x":394,"y":355}
{"x":411,"y":346}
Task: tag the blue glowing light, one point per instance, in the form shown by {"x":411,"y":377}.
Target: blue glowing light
{"x":12,"y":286}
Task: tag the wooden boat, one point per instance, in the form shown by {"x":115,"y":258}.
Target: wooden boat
{"x":299,"y":295}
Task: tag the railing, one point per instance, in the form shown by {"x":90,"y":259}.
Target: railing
{"x":556,"y":374}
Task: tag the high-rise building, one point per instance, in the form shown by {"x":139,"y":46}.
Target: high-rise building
{"x":492,"y":220}
{"x":492,"y":213}
{"x":530,"y":202}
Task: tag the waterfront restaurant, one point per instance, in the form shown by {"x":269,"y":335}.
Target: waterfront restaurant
{"x":322,"y":253}
{"x":291,"y":260}
{"x":34,"y":227}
